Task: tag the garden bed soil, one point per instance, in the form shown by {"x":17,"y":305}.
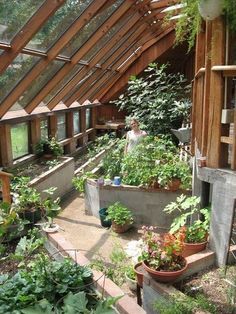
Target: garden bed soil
{"x":211,"y":283}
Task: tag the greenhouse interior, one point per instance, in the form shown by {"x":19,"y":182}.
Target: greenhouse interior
{"x":117,"y":156}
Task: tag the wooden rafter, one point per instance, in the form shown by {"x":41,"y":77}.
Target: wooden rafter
{"x":120,"y":54}
{"x":52,"y":53}
{"x":140,"y":64}
{"x":79,"y":54}
{"x":163,"y":4}
{"x":64,"y":91}
{"x":47,"y":9}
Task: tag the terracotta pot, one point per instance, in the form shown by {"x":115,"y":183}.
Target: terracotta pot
{"x":164,"y":276}
{"x":120,"y":228}
{"x":193,"y":248}
{"x":139,"y":270}
{"x":174,"y":184}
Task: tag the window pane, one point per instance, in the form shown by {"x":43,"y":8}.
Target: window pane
{"x":14,"y":73}
{"x":82,"y":36}
{"x":57,"y":24}
{"x":14,"y":14}
{"x":88,"y":118}
{"x":44,"y":129}
{"x":40,"y":82}
{"x":76,"y":122}
{"x":19,"y":140}
{"x":61,"y":127}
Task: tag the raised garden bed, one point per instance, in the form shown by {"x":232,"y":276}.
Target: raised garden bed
{"x":147,"y":204}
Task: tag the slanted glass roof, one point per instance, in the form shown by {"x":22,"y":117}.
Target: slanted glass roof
{"x":63,"y":51}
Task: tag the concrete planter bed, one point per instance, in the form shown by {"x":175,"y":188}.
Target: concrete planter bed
{"x":146,"y":204}
{"x":59,"y":176}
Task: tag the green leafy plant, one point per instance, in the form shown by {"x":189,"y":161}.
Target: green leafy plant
{"x":188,"y":25}
{"x":119,"y":214}
{"x":51,"y":206}
{"x":49,"y":146}
{"x":130,"y":273}
{"x":196,"y":231}
{"x":154,"y":99}
{"x":80,"y":180}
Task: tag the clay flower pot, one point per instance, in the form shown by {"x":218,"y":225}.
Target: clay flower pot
{"x":164,"y":276}
{"x":120,"y":228}
{"x":174,"y":184}
{"x":193,"y":248}
{"x":139,"y":270}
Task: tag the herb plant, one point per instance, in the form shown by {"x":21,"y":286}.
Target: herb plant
{"x":49,"y":146}
{"x":119,"y":214}
{"x":196,"y":231}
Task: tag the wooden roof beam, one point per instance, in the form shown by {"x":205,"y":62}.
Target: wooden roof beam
{"x":75,"y":80}
{"x":88,"y":13}
{"x":140,"y":64}
{"x":79,"y":54}
{"x":163,"y":4}
{"x":23,"y":36}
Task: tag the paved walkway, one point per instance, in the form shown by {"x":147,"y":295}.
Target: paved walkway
{"x":85,"y":232}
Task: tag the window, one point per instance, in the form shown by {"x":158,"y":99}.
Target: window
{"x":20,"y":140}
{"x":76,"y":122}
{"x":44,"y":129}
{"x":88,"y":118}
{"x":61,"y":127}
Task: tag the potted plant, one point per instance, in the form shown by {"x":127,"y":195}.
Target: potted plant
{"x":27,"y":200}
{"x":121,"y":217}
{"x":130,"y":276}
{"x":188,"y":25}
{"x":195,"y":232}
{"x":49,"y":147}
{"x":162,"y":255}
{"x":173,"y":174}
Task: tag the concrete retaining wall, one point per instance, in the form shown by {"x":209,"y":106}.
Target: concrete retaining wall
{"x":146,"y":204}
{"x":222,"y":208}
{"x":59,"y":176}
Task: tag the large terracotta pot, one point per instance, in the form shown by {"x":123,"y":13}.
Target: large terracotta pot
{"x":139,"y":270}
{"x":174,"y":184}
{"x":120,"y":228}
{"x":164,"y":276}
{"x":193,"y":248}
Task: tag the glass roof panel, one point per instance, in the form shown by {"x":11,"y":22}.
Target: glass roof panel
{"x":62,"y":83}
{"x":116,"y":46}
{"x":105,"y":39}
{"x":90,"y":28}
{"x":57,"y":24}
{"x":14,"y":14}
{"x":15,"y":72}
{"x":41,"y":81}
{"x":72,"y":91}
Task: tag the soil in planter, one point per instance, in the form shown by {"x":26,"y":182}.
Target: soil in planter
{"x":211,"y":285}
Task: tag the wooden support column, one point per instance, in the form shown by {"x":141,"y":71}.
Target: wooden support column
{"x":5,"y":179}
{"x":5,"y":142}
{"x":199,"y":63}
{"x":207,"y":82}
{"x":71,"y":147}
{"x":83,"y":126}
{"x":53,"y":126}
{"x":35,"y":132}
{"x":217,"y":154}
{"x":93,"y":122}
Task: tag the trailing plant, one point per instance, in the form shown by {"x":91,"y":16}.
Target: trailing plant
{"x":119,"y":214}
{"x":188,"y":24}
{"x":154,"y":99}
{"x":195,"y":231}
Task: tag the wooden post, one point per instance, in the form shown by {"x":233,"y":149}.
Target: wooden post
{"x":52,"y":125}
{"x":5,"y":142}
{"x":216,"y":152}
{"x":71,"y":147}
{"x":5,"y":179}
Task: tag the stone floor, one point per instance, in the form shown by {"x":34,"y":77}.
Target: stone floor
{"x":85,"y":232}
